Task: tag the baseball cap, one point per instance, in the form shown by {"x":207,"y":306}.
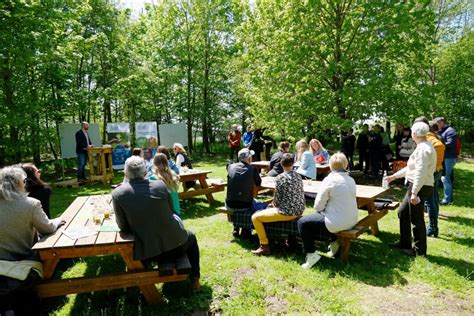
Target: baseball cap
{"x":245,"y":153}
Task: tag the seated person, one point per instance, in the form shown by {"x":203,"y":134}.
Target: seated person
{"x":183,"y":163}
{"x":320,"y":154}
{"x":275,"y":166}
{"x":242,"y":178}
{"x":336,"y":210}
{"x":408,"y":145}
{"x":304,"y":161}
{"x":161,"y":171}
{"x":288,"y":203}
{"x":21,"y":219}
{"x":171,"y":164}
{"x":144,"y":209}
{"x":36,"y":187}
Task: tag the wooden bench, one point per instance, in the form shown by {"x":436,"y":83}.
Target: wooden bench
{"x":174,"y":270}
{"x":345,"y":237}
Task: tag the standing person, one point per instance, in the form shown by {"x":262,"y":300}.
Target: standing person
{"x":183,"y":163}
{"x":348,"y":146}
{"x":418,"y":175}
{"x":305,"y":161}
{"x":432,"y":203}
{"x":83,"y":142}
{"x":336,"y":210}
{"x":387,"y":152}
{"x":242,"y":178}
{"x":449,"y":137}
{"x":162,"y":171}
{"x":256,"y":145}
{"x":407,"y":145}
{"x":363,"y":147}
{"x":275,"y":165}
{"x":288,"y":203}
{"x":144,"y":209}
{"x":375,"y":150}
{"x":36,"y":187}
{"x":397,"y":138}
{"x":320,"y":154}
{"x":234,"y":138}
{"x":21,"y":219}
{"x":247,"y":138}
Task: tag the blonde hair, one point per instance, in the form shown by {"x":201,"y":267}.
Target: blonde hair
{"x":338,"y":162}
{"x":301,"y":146}
{"x":180,"y":148}
{"x":313,"y":142}
{"x":162,"y":171}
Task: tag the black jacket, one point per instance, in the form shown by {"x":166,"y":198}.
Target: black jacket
{"x":241,"y":180}
{"x":82,"y":142}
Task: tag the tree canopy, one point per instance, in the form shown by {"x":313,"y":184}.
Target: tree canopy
{"x":294,"y":67}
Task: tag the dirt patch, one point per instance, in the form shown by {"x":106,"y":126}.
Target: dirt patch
{"x":412,"y":299}
{"x":239,"y":275}
{"x":275,"y":305}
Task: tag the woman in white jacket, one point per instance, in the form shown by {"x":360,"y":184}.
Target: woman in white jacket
{"x":419,"y":180}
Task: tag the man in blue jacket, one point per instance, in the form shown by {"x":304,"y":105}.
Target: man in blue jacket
{"x":449,"y":137}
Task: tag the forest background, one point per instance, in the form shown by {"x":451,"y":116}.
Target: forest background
{"x":297,"y":68}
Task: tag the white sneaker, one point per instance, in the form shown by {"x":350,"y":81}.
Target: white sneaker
{"x":333,"y":248}
{"x":311,"y":259}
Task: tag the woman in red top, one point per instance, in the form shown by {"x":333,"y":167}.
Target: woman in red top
{"x":234,"y":139}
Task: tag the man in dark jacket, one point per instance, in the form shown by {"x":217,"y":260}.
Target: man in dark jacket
{"x":242,"y":178}
{"x":144,"y":209}
{"x":449,"y":137}
{"x":363,"y":147}
{"x":83,"y":142}
{"x":348,"y":146}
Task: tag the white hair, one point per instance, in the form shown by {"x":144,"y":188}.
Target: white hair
{"x":338,"y":162}
{"x":420,"y":129}
{"x":10,"y":178}
{"x":135,"y":168}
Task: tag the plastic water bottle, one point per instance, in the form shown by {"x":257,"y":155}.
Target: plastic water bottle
{"x":384,"y":180}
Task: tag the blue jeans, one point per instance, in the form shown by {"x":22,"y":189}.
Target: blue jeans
{"x":432,"y":205}
{"x":447,"y":179}
{"x":81,"y":166}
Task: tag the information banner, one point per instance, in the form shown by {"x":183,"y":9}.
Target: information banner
{"x":173,"y":133}
{"x":146,"y":137}
{"x":119,"y":137}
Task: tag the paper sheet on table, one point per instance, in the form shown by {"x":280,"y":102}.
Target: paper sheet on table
{"x":108,"y":226}
{"x":77,"y":232}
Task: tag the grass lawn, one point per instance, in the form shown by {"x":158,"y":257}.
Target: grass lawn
{"x":376,"y":279}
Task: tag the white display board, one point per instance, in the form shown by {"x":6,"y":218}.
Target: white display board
{"x":67,"y":135}
{"x":173,"y":133}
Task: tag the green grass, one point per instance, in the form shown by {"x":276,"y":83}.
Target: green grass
{"x":375,"y":280}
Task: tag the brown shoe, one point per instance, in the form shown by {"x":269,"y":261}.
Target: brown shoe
{"x":263,"y":250}
{"x":195,"y":285}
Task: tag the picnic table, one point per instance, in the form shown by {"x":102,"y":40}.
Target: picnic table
{"x":365,"y":195}
{"x":206,"y":188}
{"x":81,"y":214}
{"x":264,"y":164}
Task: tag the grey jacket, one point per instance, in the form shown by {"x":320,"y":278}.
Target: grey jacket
{"x":144,"y":209}
{"x":20,"y":222}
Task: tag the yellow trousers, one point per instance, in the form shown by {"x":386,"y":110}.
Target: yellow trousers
{"x":268,"y":215}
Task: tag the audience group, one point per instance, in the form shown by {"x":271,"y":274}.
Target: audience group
{"x":151,"y":183}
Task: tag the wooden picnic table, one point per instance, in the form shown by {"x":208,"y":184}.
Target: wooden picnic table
{"x":205,"y":189}
{"x":365,"y":194}
{"x":264,"y":164}
{"x":57,"y":246}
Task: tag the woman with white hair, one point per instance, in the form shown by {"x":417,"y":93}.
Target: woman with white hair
{"x":182,"y":162}
{"x":336,"y":210}
{"x":21,"y":218}
{"x":419,"y":179}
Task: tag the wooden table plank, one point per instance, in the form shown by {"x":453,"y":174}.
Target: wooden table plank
{"x":48,"y":241}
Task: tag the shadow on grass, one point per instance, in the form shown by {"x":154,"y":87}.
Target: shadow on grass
{"x":129,"y":301}
{"x":198,"y":207}
{"x":463,"y":268}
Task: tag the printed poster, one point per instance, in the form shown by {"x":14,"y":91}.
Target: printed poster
{"x":119,"y":137}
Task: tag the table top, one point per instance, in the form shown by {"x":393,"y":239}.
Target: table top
{"x":313,"y":187}
{"x":266,"y":163}
{"x":79,"y":215}
{"x":192,"y":174}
